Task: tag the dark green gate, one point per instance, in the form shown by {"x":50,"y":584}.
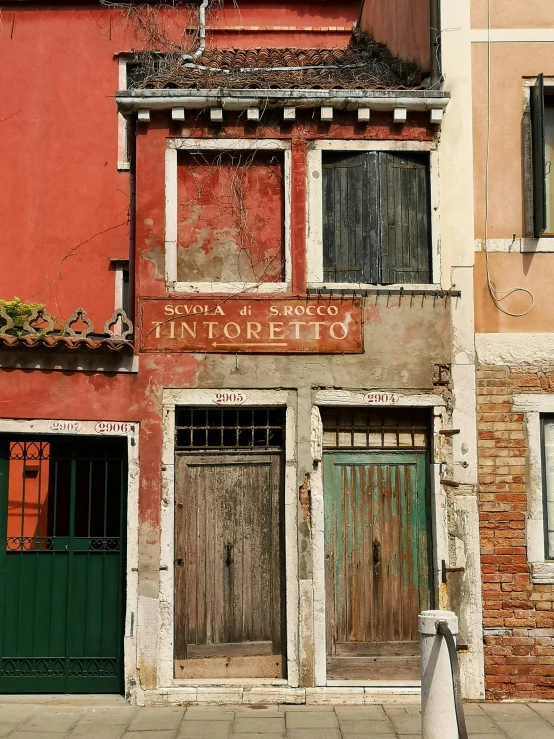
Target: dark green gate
{"x":62,"y":564}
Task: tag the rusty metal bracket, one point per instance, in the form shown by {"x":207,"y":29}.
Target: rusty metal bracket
{"x":445,"y":570}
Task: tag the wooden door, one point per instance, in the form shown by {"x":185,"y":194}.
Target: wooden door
{"x":377,"y":563}
{"x":228,"y":566}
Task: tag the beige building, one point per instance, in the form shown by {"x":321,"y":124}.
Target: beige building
{"x":513,"y":136}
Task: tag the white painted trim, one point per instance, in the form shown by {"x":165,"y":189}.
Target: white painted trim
{"x":356,"y":397}
{"x":384,"y":145}
{"x":516,"y":349}
{"x":188,"y":144}
{"x":130,"y":101}
{"x":314,"y":207}
{"x":514,"y":246}
{"x":70,"y":362}
{"x":533,"y":405}
{"x":512,"y":35}
{"x":318,"y":550}
{"x":439,"y":529}
{"x":171,"y":214}
{"x":129,"y":430}
{"x":123,"y":163}
{"x":203,"y":396}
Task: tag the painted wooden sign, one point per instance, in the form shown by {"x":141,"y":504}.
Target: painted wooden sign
{"x":252,"y":325}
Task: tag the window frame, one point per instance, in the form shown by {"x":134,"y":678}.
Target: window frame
{"x":314,"y":210}
{"x":174,"y":145}
{"x":545,"y":241}
{"x":536,"y":407}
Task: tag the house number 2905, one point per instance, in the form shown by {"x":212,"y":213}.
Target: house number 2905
{"x":225,"y":398}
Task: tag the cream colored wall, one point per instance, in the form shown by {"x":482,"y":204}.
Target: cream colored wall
{"x":532,"y":271}
{"x":510,"y":63}
{"x":513,"y":14}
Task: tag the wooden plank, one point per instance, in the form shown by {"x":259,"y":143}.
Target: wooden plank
{"x":373,"y":668}
{"x":378,"y":649}
{"x":229,"y":543}
{"x":239,"y":667}
{"x":377,"y":560}
{"x":242,"y":649}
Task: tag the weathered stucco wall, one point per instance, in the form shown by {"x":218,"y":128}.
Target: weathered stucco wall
{"x":64,"y":203}
{"x":512,"y":14}
{"x":403,"y":25}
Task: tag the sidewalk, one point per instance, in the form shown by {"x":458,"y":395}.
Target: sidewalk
{"x":112,"y":718}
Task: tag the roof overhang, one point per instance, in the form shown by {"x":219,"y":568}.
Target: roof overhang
{"x":133,"y":101}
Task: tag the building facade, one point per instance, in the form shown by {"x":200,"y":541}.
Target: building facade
{"x":247,"y":484}
{"x":511,"y":66}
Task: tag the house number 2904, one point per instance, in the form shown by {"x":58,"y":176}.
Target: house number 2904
{"x":225,"y":398}
{"x":381,"y":398}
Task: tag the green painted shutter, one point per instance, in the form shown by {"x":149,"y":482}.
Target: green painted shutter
{"x":539,"y":168}
{"x":405,"y":217}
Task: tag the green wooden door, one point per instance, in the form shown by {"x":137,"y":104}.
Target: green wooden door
{"x":377,"y":562}
{"x":62,"y":521}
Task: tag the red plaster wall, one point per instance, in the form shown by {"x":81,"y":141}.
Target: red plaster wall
{"x":63,"y":204}
{"x":403,"y":25}
{"x":230,"y":216}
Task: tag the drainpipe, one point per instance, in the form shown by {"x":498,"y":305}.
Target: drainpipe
{"x":201,"y":32}
{"x":132,"y":141}
{"x":434,"y":40}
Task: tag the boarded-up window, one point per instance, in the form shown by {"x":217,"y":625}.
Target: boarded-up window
{"x":376,"y":217}
{"x":230,"y":217}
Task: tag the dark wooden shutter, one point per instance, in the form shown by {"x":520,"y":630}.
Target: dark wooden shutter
{"x":350,"y":217}
{"x":539,"y":169}
{"x":405,"y":218}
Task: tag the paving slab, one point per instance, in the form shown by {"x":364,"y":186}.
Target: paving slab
{"x":480,"y":724}
{"x":371,"y":713}
{"x":52,"y":719}
{"x":205,"y":730}
{"x":157,"y":718}
{"x":525,"y":730}
{"x":87,"y":731}
{"x":366,"y":728}
{"x":311,"y":720}
{"x":211,"y":713}
{"x":37,"y":735}
{"x":321,"y":733}
{"x":259,"y":725}
{"x":544,"y":710}
{"x":142,"y":735}
{"x":510,"y":712}
{"x":6,"y":729}
{"x":406,"y":724}
{"x":16,"y":713}
{"x":310,"y":707}
{"x":101,"y":715}
{"x":273,"y":735}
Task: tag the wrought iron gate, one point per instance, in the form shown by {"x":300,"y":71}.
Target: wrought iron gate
{"x":62,"y":518}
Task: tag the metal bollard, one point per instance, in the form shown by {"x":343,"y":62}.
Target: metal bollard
{"x":438,"y":710}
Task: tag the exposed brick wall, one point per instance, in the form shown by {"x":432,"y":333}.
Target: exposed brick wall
{"x":518,"y":615}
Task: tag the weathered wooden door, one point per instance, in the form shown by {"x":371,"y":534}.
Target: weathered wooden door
{"x":228,"y":565}
{"x":62,"y":564}
{"x":377,"y":563}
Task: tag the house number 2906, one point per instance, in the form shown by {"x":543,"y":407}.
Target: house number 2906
{"x":224,"y":398}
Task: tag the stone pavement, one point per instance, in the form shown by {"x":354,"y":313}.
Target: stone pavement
{"x":112,"y":718}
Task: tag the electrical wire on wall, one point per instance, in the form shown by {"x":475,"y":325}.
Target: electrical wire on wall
{"x":497,"y":296}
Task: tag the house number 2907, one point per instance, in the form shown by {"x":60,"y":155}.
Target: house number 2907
{"x":224,"y":398}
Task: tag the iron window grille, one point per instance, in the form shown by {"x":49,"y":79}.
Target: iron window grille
{"x":198,"y":429}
